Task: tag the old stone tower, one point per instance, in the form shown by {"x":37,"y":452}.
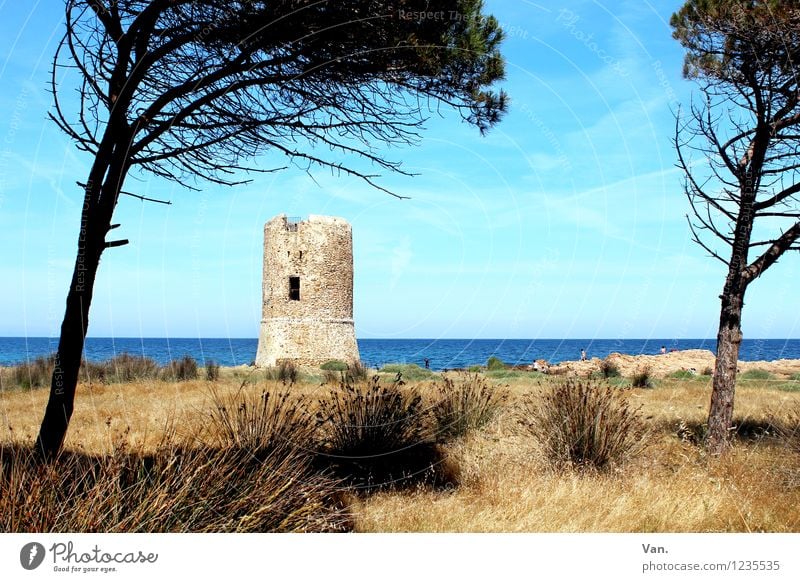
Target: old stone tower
{"x":307,"y":311}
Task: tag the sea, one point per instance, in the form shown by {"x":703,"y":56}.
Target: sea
{"x":442,"y":354}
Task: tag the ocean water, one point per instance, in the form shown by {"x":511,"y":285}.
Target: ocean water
{"x":442,"y":353}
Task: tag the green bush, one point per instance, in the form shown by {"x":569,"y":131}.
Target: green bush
{"x":463,"y":405}
{"x":494,"y":363}
{"x":475,"y":369}
{"x":585,"y":424}
{"x":682,"y":375}
{"x":334,"y":365}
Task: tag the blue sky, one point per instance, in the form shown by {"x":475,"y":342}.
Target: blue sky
{"x":565,"y":221}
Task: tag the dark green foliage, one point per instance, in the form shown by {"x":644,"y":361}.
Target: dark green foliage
{"x":494,"y":363}
{"x":708,"y":371}
{"x":463,"y":405}
{"x":725,"y":38}
{"x":376,"y":435}
{"x":585,"y":424}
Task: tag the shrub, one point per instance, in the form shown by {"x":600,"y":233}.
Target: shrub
{"x":494,"y":363}
{"x":585,"y":424}
{"x":463,"y":405}
{"x":356,"y":372}
{"x":285,"y":372}
{"x":756,"y":374}
{"x":212,"y":371}
{"x":334,"y":365}
{"x":181,"y":370}
{"x":34,"y":373}
{"x":609,"y":369}
{"x":264,"y":424}
{"x":642,"y":379}
{"x":125,"y":367}
{"x":475,"y":369}
{"x":708,"y":371}
{"x":376,"y":436}
{"x":182,"y":487}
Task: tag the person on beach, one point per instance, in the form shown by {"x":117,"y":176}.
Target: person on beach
{"x":663,"y":349}
{"x":583,"y":355}
{"x":427,"y":363}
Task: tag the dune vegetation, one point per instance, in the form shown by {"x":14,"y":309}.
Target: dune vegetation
{"x":323,"y":450}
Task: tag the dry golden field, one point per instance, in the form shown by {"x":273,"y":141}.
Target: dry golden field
{"x":505,"y":483}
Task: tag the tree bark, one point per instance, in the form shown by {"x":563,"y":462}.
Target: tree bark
{"x":98,"y":208}
{"x":729,"y":339}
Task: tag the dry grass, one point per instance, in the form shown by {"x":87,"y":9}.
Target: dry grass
{"x":506,"y":483}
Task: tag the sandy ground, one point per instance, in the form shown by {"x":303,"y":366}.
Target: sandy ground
{"x":664,"y":364}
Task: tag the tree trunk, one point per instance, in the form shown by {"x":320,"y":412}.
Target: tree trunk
{"x":729,"y":339}
{"x":98,"y":208}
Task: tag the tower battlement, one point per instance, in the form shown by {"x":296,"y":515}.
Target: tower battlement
{"x":307,"y":293}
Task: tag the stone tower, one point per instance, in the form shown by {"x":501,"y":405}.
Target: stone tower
{"x":307,"y":310}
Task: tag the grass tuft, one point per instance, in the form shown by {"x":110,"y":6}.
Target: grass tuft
{"x":609,"y":369}
{"x":584,"y":424}
{"x":643,"y":378}
{"x":180,"y":370}
{"x":237,"y":484}
{"x":463,"y":405}
{"x":212,"y":371}
{"x":377,"y":436}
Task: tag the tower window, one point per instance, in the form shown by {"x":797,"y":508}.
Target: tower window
{"x":294,"y":288}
